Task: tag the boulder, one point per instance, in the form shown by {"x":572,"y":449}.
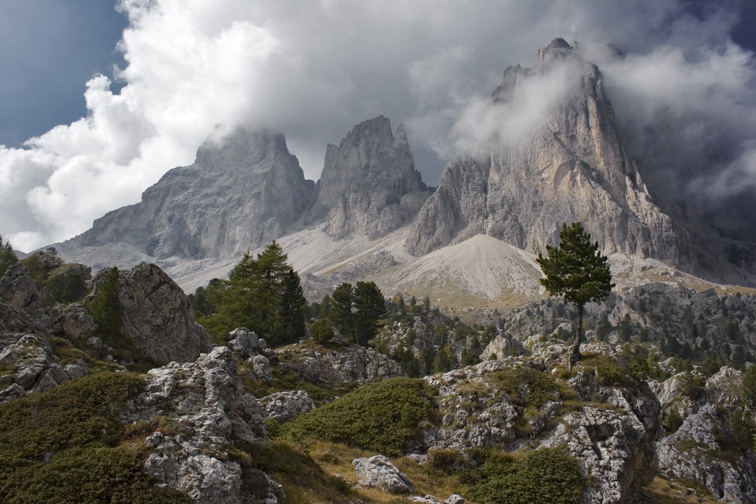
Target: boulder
{"x":244,"y":342}
{"x":17,"y":288}
{"x":285,"y":406}
{"x":157,"y":318}
{"x":331,"y":367}
{"x":34,"y":367}
{"x":378,"y":471}
{"x":212,"y":412}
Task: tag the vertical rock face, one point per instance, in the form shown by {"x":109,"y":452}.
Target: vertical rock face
{"x":572,"y":166}
{"x":369,"y":183}
{"x":240,"y":193}
{"x":156,"y":317}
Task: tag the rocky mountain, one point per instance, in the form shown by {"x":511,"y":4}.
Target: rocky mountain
{"x":572,"y":166}
{"x":369,"y":184}
{"x":242,"y":191}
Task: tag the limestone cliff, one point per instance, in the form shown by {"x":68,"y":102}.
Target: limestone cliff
{"x":369,"y":183}
{"x":241,"y":192}
{"x":572,"y":167}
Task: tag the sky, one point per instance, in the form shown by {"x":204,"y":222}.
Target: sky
{"x":98,"y":99}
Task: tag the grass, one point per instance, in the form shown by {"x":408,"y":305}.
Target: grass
{"x":66,"y":446}
{"x":662,"y":491}
{"x":608,"y":371}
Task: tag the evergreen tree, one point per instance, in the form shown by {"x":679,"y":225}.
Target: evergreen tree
{"x":262,"y":293}
{"x":578,"y":273}
{"x":200,"y":304}
{"x":105,"y":307}
{"x":369,"y":307}
{"x":341,"y":315}
{"x":7,"y":257}
{"x":292,"y":308}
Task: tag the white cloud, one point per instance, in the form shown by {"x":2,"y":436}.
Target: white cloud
{"x":314,"y":69}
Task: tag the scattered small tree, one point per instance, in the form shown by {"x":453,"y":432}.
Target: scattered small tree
{"x":369,"y":307}
{"x":341,"y":314}
{"x":105,"y":307}
{"x":578,"y":273}
{"x":7,"y":257}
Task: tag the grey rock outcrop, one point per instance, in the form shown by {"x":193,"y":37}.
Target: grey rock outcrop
{"x":616,"y":445}
{"x":287,"y":405}
{"x":211,"y":412}
{"x":157,"y":318}
{"x":33,"y":367}
{"x":334,"y":367}
{"x":369,"y":184}
{"x":612,"y":435}
{"x":695,"y":452}
{"x":378,"y":471}
{"x":707,"y":447}
{"x":241,"y":192}
{"x":17,"y":288}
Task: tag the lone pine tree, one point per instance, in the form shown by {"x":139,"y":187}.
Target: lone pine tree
{"x":578,"y":273}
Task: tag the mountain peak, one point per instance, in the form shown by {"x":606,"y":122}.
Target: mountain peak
{"x":369,"y":183}
{"x":557,"y":48}
{"x":241,"y":147}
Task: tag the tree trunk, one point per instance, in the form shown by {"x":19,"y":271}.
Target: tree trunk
{"x":575,"y":351}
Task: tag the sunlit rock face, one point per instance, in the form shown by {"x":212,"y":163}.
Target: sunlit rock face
{"x":520,"y":186}
{"x":241,"y":192}
{"x":369,"y":184}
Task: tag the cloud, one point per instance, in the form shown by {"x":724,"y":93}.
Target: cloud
{"x":484,"y":126}
{"x":314,"y":69}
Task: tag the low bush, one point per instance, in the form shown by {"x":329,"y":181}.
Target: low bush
{"x":64,"y":285}
{"x":545,"y":476}
{"x":530,"y":386}
{"x":63,"y":446}
{"x":384,"y":416}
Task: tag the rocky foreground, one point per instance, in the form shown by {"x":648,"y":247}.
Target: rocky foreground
{"x":243,"y":423}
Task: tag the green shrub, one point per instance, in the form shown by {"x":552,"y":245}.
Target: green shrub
{"x":672,"y":421}
{"x":545,"y":476}
{"x":693,"y":385}
{"x":448,"y":461}
{"x":321,"y":330}
{"x":62,"y":446}
{"x":529,"y":385}
{"x":384,"y":417}
{"x":65,"y":285}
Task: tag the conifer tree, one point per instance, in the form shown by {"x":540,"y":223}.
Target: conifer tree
{"x":341,"y":315}
{"x":105,"y":307}
{"x":262,"y":293}
{"x":369,"y":307}
{"x":7,"y":257}
{"x":578,"y":273}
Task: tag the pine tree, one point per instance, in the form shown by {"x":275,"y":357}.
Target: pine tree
{"x":369,"y":307}
{"x":292,"y":309}
{"x":105,"y":307}
{"x":262,"y":293}
{"x":341,"y":315}
{"x":578,"y":273}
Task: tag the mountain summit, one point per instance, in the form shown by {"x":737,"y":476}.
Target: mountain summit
{"x":369,"y":183}
{"x":570,"y":165}
{"x":241,"y":192}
